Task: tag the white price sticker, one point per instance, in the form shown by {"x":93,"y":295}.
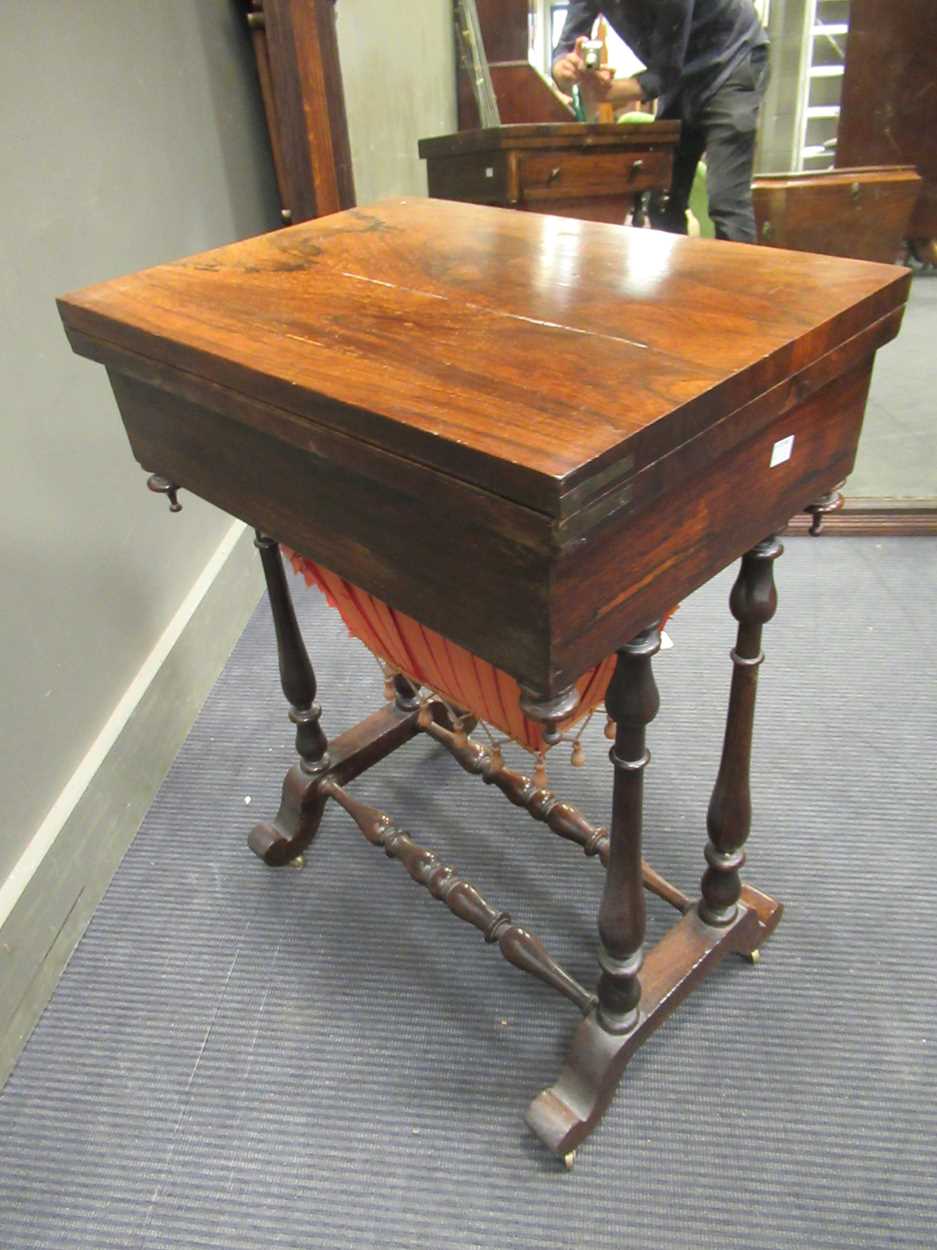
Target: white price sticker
{"x":781,"y":451}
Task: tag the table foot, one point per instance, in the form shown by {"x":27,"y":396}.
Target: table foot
{"x":282,"y":840}
{"x":565,"y":1114}
{"x":303,"y":799}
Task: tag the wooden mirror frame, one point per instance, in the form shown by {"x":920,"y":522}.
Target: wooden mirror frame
{"x":296,"y":47}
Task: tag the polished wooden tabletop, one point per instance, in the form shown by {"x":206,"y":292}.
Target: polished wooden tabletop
{"x":521,"y":353}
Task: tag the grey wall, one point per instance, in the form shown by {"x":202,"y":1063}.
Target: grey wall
{"x":398,"y":68}
{"x":132,"y":134}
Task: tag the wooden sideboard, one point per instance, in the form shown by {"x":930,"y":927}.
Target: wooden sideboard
{"x":590,"y":171}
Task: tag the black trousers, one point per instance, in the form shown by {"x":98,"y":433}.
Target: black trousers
{"x":724,"y":128}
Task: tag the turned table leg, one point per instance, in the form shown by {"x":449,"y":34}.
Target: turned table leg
{"x":635,"y":997}
{"x":753,"y":602}
{"x":301,"y":806}
{"x":632,"y":702}
{"x":296,"y":673}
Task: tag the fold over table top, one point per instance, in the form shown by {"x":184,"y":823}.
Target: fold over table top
{"x":538,"y":358}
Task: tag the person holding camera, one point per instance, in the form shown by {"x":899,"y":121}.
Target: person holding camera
{"x":707,"y":67}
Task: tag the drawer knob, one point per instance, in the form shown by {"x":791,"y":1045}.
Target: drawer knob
{"x":636,"y":168}
{"x":553,"y":174}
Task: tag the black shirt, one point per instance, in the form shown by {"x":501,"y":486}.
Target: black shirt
{"x":688,"y":46}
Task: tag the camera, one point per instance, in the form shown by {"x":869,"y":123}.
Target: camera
{"x":591,"y":53}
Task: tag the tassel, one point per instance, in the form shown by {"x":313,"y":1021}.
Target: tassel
{"x":611,"y":729}
{"x":540,"y":779}
{"x":389,"y":691}
{"x":578,"y":757}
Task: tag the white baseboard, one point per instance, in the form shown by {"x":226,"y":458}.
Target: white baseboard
{"x":48,"y":899}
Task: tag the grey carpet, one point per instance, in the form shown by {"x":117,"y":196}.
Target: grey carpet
{"x":241,"y":1057}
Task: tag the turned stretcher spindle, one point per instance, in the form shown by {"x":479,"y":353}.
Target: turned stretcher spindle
{"x":543,"y":805}
{"x":564,"y":819}
{"x":517,"y":946}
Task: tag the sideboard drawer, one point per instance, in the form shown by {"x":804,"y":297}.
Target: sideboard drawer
{"x":561,"y":174}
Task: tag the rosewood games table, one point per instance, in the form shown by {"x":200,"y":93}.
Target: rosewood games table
{"x":528,"y":437}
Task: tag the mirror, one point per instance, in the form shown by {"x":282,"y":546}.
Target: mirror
{"x":827,"y":106}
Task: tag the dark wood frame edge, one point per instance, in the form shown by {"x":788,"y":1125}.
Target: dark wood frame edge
{"x":299,"y":70}
{"x":874,"y":517}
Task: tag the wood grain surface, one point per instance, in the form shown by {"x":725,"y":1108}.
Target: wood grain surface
{"x":521,"y":353}
{"x":525,"y":95}
{"x":862,"y":212}
{"x":529,"y":434}
{"x":889,"y":99}
{"x":308,"y":107}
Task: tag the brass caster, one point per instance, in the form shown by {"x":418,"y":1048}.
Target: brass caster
{"x":569,"y":1160}
{"x":754,"y":958}
{"x":297,"y":862}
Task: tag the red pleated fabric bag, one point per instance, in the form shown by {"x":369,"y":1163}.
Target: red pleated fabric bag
{"x":461,"y":678}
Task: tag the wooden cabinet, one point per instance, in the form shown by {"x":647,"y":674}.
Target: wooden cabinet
{"x":591,"y":172}
{"x":862,"y":213}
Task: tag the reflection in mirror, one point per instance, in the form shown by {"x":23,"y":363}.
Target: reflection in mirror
{"x":547,"y":18}
{"x":828,"y":110}
{"x":868,"y":138}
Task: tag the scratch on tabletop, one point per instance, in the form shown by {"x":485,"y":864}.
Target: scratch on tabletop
{"x":304,"y":338}
{"x":497,"y":312}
